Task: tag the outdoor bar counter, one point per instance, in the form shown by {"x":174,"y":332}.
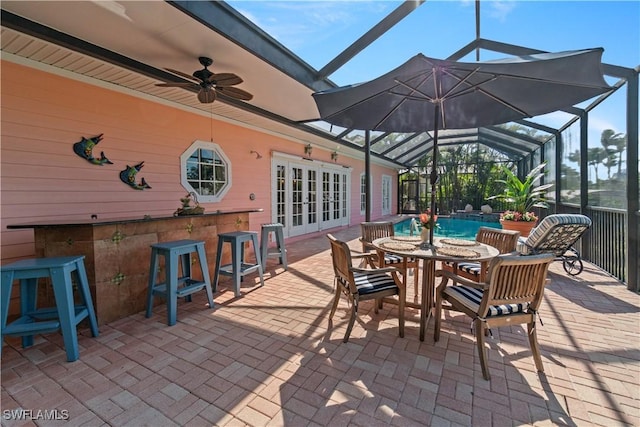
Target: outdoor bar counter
{"x":117,"y":252}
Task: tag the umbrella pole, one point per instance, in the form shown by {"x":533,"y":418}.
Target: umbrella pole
{"x":434,"y":174}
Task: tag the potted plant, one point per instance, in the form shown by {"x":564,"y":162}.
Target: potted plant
{"x":523,"y":196}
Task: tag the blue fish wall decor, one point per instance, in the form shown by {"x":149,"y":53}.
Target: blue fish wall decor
{"x":84,"y":148}
{"x":128,"y":176}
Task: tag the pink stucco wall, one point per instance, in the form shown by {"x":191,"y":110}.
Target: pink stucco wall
{"x":43,"y":115}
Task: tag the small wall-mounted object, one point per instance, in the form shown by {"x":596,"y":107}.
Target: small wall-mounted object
{"x":308,"y":149}
{"x":252,"y":196}
{"x":84,"y":148}
{"x":334,"y":156}
{"x":186,"y":208}
{"x":128,"y":176}
{"x":258,"y":155}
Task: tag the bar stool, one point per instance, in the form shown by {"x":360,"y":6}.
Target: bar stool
{"x":174,"y":285}
{"x":238,"y":268}
{"x":64,"y":316}
{"x":280,"y":251}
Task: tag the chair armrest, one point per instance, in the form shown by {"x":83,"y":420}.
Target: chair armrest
{"x":356,"y":254}
{"x":376,"y":270}
{"x":461,"y":280}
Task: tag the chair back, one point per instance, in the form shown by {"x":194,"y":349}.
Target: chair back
{"x":342,"y":265}
{"x":555,"y":234}
{"x":503,"y":240}
{"x":514,"y":279}
{"x":375,"y":230}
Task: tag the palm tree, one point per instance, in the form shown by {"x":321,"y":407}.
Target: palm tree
{"x":614,"y":143}
{"x":595,"y":157}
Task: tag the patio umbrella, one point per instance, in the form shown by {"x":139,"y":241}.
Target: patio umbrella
{"x":425,"y":94}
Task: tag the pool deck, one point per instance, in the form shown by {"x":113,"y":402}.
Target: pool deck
{"x":270,"y":358}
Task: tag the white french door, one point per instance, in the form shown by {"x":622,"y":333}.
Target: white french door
{"x":334,"y":198}
{"x":309,"y":196}
{"x":303,"y":190}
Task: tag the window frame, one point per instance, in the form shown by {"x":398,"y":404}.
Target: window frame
{"x":217,"y":149}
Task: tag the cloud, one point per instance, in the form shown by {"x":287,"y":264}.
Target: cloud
{"x":599,"y":124}
{"x":500,"y":9}
{"x":300,"y":23}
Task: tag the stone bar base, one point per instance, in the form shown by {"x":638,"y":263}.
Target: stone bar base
{"x":117,"y":253}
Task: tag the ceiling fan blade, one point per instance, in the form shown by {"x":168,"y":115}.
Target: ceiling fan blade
{"x":225,"y":79}
{"x":236,"y":93}
{"x":181,"y":74}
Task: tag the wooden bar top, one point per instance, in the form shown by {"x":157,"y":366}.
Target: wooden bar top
{"x":112,"y":221}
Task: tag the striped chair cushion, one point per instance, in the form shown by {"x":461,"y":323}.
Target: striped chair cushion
{"x":395,"y":259}
{"x":471,"y":297}
{"x":556,"y":233}
{"x":371,"y":282}
{"x":468,"y":267}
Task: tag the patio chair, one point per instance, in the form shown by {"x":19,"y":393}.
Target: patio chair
{"x":511,"y":295}
{"x":503,"y":240}
{"x":557,"y":234}
{"x":360,"y":284}
{"x":375,"y":230}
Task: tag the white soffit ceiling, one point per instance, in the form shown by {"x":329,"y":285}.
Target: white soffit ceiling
{"x":159,"y":35}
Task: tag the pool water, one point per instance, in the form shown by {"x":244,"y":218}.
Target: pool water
{"x":450,"y":227}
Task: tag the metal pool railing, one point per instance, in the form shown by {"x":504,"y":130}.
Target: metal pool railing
{"x":604,"y":244}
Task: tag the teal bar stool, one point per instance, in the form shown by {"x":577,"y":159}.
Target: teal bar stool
{"x":279,"y":250}
{"x":238,"y":267}
{"x":175,"y":285}
{"x":65,"y":316}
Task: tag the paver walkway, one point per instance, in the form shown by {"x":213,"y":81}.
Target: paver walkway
{"x":269,"y":358}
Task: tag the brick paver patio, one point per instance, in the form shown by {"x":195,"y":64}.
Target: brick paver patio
{"x":270,"y":358}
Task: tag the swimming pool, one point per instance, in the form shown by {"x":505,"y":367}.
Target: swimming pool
{"x":450,"y":227}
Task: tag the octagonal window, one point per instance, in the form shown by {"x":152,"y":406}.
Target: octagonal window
{"x":205,"y":170}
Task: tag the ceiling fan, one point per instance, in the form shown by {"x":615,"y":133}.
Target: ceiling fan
{"x":208,"y":84}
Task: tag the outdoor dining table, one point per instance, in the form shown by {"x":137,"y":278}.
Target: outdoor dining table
{"x":443,"y":249}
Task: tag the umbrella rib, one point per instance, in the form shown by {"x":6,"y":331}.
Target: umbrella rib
{"x":463,"y":80}
{"x":414,"y":89}
{"x":476,"y":87}
{"x":406,"y":97}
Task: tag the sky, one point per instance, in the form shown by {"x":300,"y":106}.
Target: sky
{"x":317,"y":31}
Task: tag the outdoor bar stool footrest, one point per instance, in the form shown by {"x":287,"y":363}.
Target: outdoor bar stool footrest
{"x":238,"y":267}
{"x":174,"y":286}
{"x":280,"y":252}
{"x":65,"y":316}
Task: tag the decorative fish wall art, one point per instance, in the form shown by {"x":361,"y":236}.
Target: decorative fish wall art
{"x":84,"y":148}
{"x":128,"y":176}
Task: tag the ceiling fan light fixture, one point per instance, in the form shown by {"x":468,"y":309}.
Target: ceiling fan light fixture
{"x":207,"y":96}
